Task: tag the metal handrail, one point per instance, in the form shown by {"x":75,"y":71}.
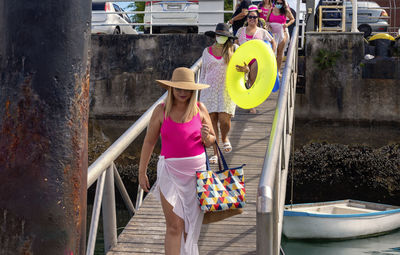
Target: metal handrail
{"x":104,"y":171}
{"x":272,"y":185}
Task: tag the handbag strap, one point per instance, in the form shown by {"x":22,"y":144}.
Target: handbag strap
{"x":220,"y":157}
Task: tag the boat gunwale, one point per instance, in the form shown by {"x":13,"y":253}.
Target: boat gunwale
{"x":358,"y":215}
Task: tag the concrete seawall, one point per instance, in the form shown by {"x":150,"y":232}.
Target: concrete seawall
{"x":339,"y":92}
{"x":124,"y":67}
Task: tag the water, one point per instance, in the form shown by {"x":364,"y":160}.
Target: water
{"x":388,"y":244}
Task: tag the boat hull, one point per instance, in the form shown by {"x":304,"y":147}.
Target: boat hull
{"x":310,"y":224}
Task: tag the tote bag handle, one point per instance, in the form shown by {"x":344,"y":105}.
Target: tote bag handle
{"x":220,"y":157}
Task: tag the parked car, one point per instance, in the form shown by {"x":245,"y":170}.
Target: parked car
{"x":172,"y":16}
{"x":119,"y":22}
{"x":370,"y":17}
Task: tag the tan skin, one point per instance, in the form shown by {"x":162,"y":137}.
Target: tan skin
{"x":240,"y":16}
{"x":281,"y":46}
{"x":175,"y":225}
{"x":251,"y":30}
{"x":223,"y":118}
{"x":267,"y":4}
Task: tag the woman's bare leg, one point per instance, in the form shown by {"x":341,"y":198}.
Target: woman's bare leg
{"x":225,"y":124}
{"x":214,"y":121}
{"x":175,"y":228}
{"x":279,"y":53}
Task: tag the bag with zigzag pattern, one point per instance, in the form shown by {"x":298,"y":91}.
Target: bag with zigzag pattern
{"x":221,"y":194}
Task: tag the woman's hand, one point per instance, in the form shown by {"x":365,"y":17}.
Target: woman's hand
{"x":205,"y":132}
{"x":244,"y":69}
{"x":144,"y":182}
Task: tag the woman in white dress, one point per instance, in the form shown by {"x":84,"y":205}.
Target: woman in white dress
{"x":215,"y":60}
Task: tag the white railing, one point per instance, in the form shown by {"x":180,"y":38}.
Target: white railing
{"x":272,"y":186}
{"x":104,"y":171}
{"x":150,"y":13}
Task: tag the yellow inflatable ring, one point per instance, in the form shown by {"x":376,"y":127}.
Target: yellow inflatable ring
{"x":266,"y":74}
{"x":381,"y":36}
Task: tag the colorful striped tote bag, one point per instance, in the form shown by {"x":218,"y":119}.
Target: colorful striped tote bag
{"x":221,"y":194}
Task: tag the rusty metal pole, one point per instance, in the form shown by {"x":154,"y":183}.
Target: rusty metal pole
{"x":44,"y":91}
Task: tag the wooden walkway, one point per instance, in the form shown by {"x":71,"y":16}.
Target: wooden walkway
{"x":249,"y":137}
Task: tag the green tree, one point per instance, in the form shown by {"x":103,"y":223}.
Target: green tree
{"x":228,"y":5}
{"x":137,"y":18}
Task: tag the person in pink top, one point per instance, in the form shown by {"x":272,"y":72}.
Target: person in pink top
{"x":277,"y":17}
{"x":253,"y":32}
{"x":185,"y":128}
{"x":264,"y":8}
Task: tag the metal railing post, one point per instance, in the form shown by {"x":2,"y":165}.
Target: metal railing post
{"x":123,"y":192}
{"x":95,"y":215}
{"x":272,"y":186}
{"x":109,"y":214}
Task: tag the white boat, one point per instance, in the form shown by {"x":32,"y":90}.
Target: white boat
{"x":344,"y":219}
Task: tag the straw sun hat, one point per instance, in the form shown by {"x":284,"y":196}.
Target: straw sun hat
{"x":182,"y":78}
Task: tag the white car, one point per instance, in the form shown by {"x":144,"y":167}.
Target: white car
{"x":119,"y":22}
{"x":172,"y":16}
{"x":370,"y":17}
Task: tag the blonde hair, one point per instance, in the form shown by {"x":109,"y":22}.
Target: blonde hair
{"x":191,"y":110}
{"x":227,"y":51}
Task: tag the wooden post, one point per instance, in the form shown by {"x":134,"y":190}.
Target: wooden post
{"x":44,"y":92}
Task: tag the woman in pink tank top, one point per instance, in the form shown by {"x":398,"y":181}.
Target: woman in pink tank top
{"x":264,"y":8}
{"x":277,"y":21}
{"x":185,"y":128}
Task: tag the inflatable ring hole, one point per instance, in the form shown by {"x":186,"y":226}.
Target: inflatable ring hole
{"x":264,"y":74}
{"x":253,"y":65}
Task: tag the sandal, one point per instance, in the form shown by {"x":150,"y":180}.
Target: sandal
{"x":227,"y":147}
{"x":213,"y":159}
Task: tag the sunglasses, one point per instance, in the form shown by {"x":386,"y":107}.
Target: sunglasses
{"x":252,"y":17}
{"x":279,"y":2}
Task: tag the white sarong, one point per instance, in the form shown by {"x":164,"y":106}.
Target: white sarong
{"x":176,"y":180}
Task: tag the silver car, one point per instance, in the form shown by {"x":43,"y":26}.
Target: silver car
{"x":104,"y":22}
{"x":370,"y":17}
{"x":172,"y":16}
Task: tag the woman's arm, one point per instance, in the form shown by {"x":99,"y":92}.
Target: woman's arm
{"x":273,"y":43}
{"x":268,"y":36}
{"x":289,"y":15}
{"x":203,"y":67}
{"x":152,"y":135}
{"x":207,"y":131}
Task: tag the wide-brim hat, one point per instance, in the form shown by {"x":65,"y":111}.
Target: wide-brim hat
{"x":182,"y":78}
{"x":221,"y":29}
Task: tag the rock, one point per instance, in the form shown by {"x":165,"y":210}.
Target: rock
{"x":324,"y":172}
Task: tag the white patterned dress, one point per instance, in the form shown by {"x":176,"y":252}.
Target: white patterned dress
{"x":216,"y":97}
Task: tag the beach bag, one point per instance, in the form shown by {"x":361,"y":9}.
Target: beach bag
{"x":221,"y":194}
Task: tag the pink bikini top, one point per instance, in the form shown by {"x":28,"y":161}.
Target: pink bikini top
{"x":181,"y":140}
{"x":264,"y":13}
{"x":281,"y":19}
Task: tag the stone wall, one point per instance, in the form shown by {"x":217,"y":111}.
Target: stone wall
{"x":339,"y":92}
{"x":124,"y":67}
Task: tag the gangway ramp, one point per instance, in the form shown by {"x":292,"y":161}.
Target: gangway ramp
{"x":249,"y":137}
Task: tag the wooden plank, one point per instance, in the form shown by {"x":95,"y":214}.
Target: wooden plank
{"x":249,"y":137}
